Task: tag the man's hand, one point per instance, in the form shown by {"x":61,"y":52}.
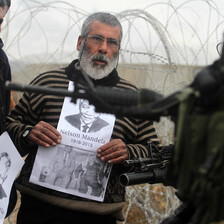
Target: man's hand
{"x":44,"y":134}
{"x":114,"y":152}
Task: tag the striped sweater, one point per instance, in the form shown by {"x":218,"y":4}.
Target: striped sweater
{"x":35,"y":107}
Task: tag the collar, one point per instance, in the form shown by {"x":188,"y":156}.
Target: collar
{"x":73,"y":74}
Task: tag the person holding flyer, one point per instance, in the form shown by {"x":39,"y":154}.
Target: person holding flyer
{"x":33,"y":123}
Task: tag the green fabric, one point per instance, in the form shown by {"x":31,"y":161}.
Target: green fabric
{"x":199,"y":156}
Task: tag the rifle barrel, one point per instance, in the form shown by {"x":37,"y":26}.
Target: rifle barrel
{"x":134,"y":178}
{"x":38,"y":89}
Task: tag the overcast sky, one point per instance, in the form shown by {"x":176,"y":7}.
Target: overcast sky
{"x":190,"y":30}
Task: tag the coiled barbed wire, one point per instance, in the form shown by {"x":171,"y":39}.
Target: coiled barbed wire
{"x":158,"y":39}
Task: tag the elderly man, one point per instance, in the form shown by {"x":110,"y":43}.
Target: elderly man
{"x":34,"y":120}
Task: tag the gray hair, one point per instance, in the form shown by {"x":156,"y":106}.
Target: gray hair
{"x":102,"y":17}
{"x":8,"y":2}
{"x":4,"y":4}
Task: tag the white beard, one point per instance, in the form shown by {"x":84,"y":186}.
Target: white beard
{"x":97,"y":71}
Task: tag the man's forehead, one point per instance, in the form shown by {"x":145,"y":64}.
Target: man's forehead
{"x":105,"y":30}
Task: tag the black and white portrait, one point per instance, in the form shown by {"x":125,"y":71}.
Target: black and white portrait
{"x":69,"y":167}
{"x":10,"y":165}
{"x":5,"y":163}
{"x":80,"y":125}
{"x":87,"y":120}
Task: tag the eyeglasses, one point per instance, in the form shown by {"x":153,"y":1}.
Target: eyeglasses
{"x":97,"y":39}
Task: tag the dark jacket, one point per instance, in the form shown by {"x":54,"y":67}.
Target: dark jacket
{"x":5,"y":75}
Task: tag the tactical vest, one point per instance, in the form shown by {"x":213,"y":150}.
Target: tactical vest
{"x":199,"y":157}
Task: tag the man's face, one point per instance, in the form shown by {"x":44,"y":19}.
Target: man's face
{"x":92,"y":158}
{"x":58,"y":165}
{"x":87,"y":111}
{"x":1,"y":17}
{"x":99,"y":58}
{"x":46,"y":171}
{"x":3,"y":167}
{"x":68,"y":148}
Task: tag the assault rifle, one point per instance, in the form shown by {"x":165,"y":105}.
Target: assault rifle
{"x":149,"y":170}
